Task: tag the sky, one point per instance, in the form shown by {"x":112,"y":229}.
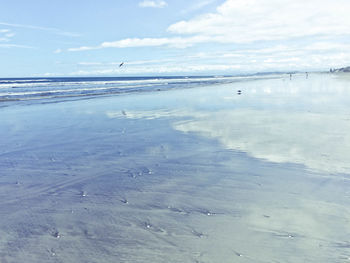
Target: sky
{"x":41,"y":38}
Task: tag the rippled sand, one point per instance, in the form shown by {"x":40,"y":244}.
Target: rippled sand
{"x":199,"y":175}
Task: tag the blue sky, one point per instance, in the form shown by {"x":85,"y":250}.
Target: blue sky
{"x":41,"y":38}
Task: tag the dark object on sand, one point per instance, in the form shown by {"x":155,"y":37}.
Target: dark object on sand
{"x":124,"y":200}
{"x":56,"y":234}
{"x":239,"y":92}
{"x":121,"y":64}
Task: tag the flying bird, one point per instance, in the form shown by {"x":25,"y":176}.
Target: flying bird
{"x":121,"y":64}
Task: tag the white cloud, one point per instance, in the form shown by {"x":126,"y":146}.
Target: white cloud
{"x":49,"y":74}
{"x":49,"y":29}
{"x":198,"y":5}
{"x":6,"y":35}
{"x":84,"y":48}
{"x":137,"y":42}
{"x":247,"y":21}
{"x":15,"y":46}
{"x":10,"y":35}
{"x":154,"y":4}
{"x":173,"y":68}
{"x":90,"y":63}
{"x":280,"y":57}
{"x":263,"y":35}
{"x":108,"y":64}
{"x":244,"y":21}
{"x":178,"y":42}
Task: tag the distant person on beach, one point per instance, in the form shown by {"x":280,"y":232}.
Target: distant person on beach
{"x":290,"y":76}
{"x":307,"y":74}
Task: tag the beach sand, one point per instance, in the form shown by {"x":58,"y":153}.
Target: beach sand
{"x":191,"y":175}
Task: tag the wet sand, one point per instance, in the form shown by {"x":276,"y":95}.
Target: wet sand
{"x":195,"y":175}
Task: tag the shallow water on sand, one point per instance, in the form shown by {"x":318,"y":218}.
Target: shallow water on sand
{"x":194,"y":175}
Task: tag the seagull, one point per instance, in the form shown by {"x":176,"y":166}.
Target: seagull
{"x":121,"y":64}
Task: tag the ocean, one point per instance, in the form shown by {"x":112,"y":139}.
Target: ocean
{"x":25,"y":89}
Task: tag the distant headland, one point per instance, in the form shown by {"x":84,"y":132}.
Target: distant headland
{"x":346,"y":69}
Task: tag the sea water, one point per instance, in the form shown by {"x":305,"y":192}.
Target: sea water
{"x":19,"y":89}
